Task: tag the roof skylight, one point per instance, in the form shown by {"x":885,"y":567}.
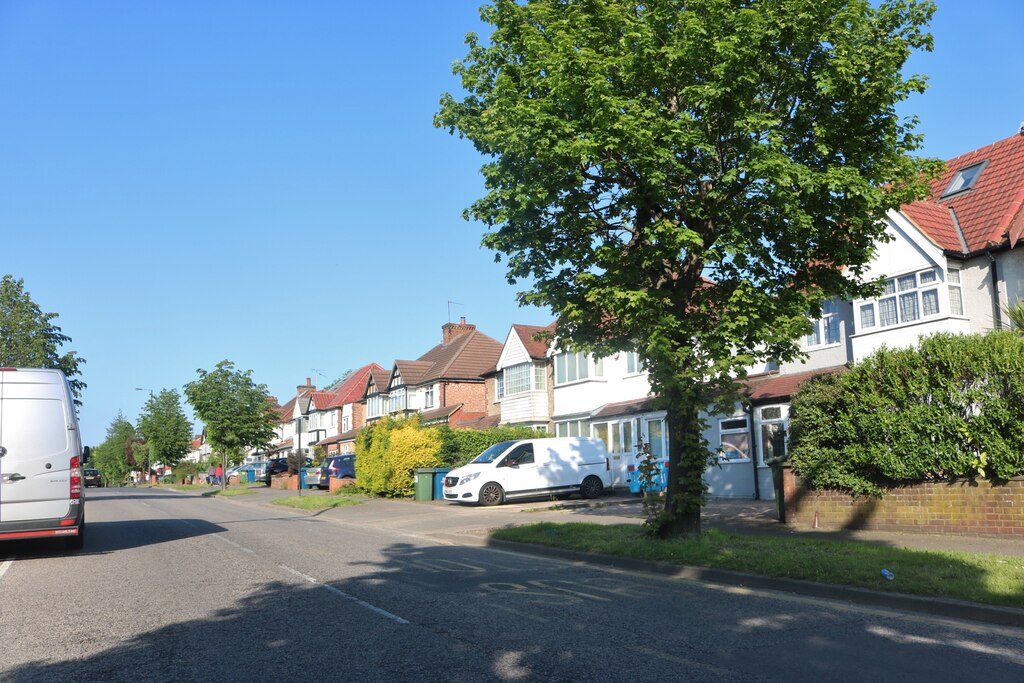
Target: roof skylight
{"x":965,"y":179}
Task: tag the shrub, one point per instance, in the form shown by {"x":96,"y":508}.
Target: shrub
{"x":950,"y":409}
{"x":459,"y":446}
{"x":388,"y":451}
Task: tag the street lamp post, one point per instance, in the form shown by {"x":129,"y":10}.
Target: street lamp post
{"x":149,"y":447}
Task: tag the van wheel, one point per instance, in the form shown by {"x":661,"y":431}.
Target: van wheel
{"x":591,"y":487}
{"x":491,"y":494}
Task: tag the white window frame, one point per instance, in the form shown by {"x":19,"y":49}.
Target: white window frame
{"x":764,"y":423}
{"x":572,"y":428}
{"x":956,"y":291}
{"x":904,"y":301}
{"x":574,"y":366}
{"x":518,"y":379}
{"x":735,"y":426}
{"x":825,"y":330}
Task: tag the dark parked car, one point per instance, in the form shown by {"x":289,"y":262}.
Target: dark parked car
{"x":338,"y":466}
{"x":279,"y":466}
{"x":92,"y":477}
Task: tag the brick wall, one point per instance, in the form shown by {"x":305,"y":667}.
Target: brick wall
{"x":960,"y":507}
{"x":471,"y":394}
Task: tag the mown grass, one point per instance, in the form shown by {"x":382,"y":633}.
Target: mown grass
{"x":230,"y":492}
{"x":316,"y":502}
{"x":991,"y":579}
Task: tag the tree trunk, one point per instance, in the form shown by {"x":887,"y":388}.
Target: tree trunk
{"x":687,"y":460}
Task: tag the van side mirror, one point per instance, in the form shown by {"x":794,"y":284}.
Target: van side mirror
{"x":86,"y":454}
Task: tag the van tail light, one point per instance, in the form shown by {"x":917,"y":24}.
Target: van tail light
{"x":631,"y":468}
{"x":76,"y":478}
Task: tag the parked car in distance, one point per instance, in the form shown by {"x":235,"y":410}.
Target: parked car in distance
{"x":279,"y":466}
{"x":531,"y":468}
{"x":259,"y":468}
{"x":339,"y":467}
{"x":92,"y":477}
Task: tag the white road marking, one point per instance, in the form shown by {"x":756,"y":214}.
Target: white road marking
{"x":312,"y":580}
{"x":4,"y":567}
{"x":232,"y":543}
{"x":343,"y":594}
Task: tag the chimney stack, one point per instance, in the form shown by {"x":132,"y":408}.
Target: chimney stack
{"x":450,"y":331}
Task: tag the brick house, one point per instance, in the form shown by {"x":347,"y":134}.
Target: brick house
{"x":444,"y":386}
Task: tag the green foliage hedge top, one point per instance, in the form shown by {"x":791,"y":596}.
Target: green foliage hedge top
{"x":953,"y":408}
{"x":390,"y":449}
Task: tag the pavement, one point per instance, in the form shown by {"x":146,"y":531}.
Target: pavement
{"x":457,"y":524}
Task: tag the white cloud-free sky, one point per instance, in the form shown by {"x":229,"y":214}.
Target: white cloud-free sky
{"x":186,"y":182}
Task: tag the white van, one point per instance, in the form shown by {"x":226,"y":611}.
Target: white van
{"x":531,"y":468}
{"x":41,"y":458}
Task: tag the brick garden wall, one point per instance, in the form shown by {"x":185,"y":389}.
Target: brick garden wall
{"x":960,"y":507}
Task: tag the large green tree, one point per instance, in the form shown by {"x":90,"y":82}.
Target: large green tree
{"x":690,"y":178}
{"x":29,"y":339}
{"x":121,"y":451}
{"x":236,"y":411}
{"x":167,"y":431}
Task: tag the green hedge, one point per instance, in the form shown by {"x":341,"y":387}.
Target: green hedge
{"x":390,"y":449}
{"x":952,"y":408}
{"x":459,"y":446}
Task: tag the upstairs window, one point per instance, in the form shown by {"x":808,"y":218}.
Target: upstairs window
{"x":517,"y":379}
{"x":573,"y":367}
{"x":905,"y":299}
{"x":633,"y":363}
{"x":825,"y":330}
{"x":956,"y":295}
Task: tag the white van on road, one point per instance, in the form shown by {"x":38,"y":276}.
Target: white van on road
{"x":41,"y":458}
{"x":531,"y":468}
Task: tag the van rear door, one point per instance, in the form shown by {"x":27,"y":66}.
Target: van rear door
{"x":36,"y":433}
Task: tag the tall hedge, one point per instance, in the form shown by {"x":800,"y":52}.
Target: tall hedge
{"x":459,"y":446}
{"x":389,"y":450}
{"x":952,"y":408}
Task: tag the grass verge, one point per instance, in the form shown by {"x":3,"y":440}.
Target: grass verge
{"x":315,"y":502}
{"x":991,"y":579}
{"x":230,"y":492}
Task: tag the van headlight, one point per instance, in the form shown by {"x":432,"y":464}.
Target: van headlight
{"x":468,"y":478}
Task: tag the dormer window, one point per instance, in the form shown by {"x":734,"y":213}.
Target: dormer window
{"x":964,"y":179}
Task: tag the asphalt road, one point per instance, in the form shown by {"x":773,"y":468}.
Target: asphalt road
{"x":177,"y":587}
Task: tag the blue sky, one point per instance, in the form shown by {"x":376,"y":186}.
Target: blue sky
{"x":186,"y":182}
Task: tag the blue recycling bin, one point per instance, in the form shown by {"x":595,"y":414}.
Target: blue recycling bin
{"x":439,"y":473}
{"x":302,"y":477}
{"x":660,"y":482}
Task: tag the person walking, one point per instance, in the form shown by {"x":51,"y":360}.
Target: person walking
{"x":220,"y":474}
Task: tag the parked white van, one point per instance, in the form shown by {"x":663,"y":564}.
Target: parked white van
{"x":531,"y":468}
{"x":41,"y":458}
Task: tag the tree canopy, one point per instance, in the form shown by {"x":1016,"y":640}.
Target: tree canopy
{"x":691,"y":179}
{"x":121,"y":451}
{"x":236,"y":411}
{"x":30,"y":339}
{"x":167,"y":431}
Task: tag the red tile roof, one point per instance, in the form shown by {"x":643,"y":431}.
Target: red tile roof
{"x":351,"y":390}
{"x":991,"y":213}
{"x":537,"y":348}
{"x":770,"y":387}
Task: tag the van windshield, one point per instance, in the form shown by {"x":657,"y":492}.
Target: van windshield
{"x":492,"y":453}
